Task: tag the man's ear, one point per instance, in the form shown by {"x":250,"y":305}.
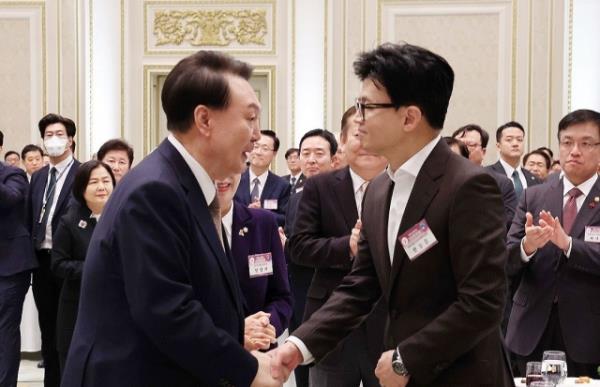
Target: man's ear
{"x":202,"y":119}
{"x":412,"y":118}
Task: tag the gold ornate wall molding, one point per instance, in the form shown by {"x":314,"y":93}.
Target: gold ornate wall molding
{"x":239,"y":27}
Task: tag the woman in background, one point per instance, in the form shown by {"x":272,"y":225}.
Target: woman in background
{"x":92,"y":187}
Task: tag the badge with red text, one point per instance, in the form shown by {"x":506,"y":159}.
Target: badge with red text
{"x":260,"y":265}
{"x":270,"y":204}
{"x":592,"y":234}
{"x":417,"y":239}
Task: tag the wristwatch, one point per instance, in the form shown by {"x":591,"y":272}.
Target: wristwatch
{"x":397,"y":364}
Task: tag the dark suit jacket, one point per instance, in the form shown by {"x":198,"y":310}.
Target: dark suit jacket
{"x":509,"y":197}
{"x":270,"y":294}
{"x":530,"y":177}
{"x":575,"y":281}
{"x":275,"y":188}
{"x":16,"y":251}
{"x":444,"y":306}
{"x":326,"y":215}
{"x":160,"y":304}
{"x":299,"y":182}
{"x":69,"y":247}
{"x":36,"y":200}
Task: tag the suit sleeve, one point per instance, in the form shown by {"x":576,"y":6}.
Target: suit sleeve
{"x":159,"y":289}
{"x":282,"y":204}
{"x":585,"y":256}
{"x":307,"y":245}
{"x":477,"y":258}
{"x":279,"y":296}
{"x":516,"y":233}
{"x":509,"y":198}
{"x":64,"y":264}
{"x":13,"y":190}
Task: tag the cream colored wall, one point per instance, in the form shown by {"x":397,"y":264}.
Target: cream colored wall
{"x":510,"y":58}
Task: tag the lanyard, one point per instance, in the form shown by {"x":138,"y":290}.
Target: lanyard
{"x":47,"y":195}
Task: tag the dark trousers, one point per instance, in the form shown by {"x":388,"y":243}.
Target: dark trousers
{"x":12,"y":294}
{"x":552,"y":339}
{"x":347,"y":365}
{"x":46,"y":290}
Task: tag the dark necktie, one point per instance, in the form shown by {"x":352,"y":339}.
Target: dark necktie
{"x":570,"y":209}
{"x":254,"y":195}
{"x":49,"y":199}
{"x":518,"y":184}
{"x":293,"y":182}
{"x":215,"y":214}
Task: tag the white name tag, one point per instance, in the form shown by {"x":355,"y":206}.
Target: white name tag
{"x":270,"y":204}
{"x":592,"y":234}
{"x":260,"y":265}
{"x":417,"y":240}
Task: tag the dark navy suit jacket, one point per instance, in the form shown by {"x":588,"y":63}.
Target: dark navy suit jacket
{"x":254,"y":231}
{"x":530,"y":177}
{"x":36,"y":199}
{"x":16,"y":250}
{"x":160,"y":304}
{"x":275,"y":188}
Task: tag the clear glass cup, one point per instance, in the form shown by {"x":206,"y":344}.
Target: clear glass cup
{"x":542,"y":384}
{"x":533,"y":372}
{"x":554,"y":366}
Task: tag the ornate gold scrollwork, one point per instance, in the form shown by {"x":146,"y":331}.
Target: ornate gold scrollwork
{"x":210,"y":27}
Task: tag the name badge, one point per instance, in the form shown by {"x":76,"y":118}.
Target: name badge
{"x":417,"y":240}
{"x":270,"y":204}
{"x":592,"y":234}
{"x":260,"y":265}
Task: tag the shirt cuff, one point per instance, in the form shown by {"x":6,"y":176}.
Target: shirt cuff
{"x":524,"y":257}
{"x":568,"y":249}
{"x":306,"y":355}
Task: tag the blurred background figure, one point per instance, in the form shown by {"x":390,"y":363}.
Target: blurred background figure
{"x":92,"y":187}
{"x":12,"y":158}
{"x":118,"y":155}
{"x":538,"y":162}
{"x":32,"y":158}
{"x":296,"y":177}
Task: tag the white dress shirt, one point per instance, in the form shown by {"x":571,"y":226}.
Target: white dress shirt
{"x":585,"y":188}
{"x":509,"y":170}
{"x":262,"y":180}
{"x":357,"y":183}
{"x":227,"y":221}
{"x":62,"y":170}
{"x":404,"y":179}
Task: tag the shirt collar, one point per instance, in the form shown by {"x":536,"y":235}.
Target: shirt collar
{"x":508,"y":168}
{"x":262,"y":178}
{"x":357,"y":181}
{"x":61,"y":165}
{"x":584,"y":187}
{"x":206,"y":184}
{"x":413,"y":165}
{"x":227,"y":221}
{"x":297,"y":175}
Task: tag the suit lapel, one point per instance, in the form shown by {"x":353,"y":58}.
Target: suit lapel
{"x":244,"y":188}
{"x":65,"y":192}
{"x":586,"y":212}
{"x":240,"y":248}
{"x":424,"y":190}
{"x":267,"y":192}
{"x":554,"y":199}
{"x":384,"y":195}
{"x":344,"y":191}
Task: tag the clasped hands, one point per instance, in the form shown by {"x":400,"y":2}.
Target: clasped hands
{"x":547,"y":230}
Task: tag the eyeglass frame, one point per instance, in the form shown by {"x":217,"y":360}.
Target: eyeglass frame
{"x":361,"y":107}
{"x":263,"y":148}
{"x":583,"y":146}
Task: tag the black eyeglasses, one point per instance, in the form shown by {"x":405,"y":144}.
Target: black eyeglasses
{"x":361,"y":106}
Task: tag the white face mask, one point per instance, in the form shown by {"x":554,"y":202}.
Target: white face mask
{"x":55,"y":146}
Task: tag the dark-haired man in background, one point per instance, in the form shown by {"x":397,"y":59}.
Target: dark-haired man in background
{"x":538,"y":163}
{"x":432,"y":242}
{"x":33,"y":159}
{"x":259,"y":187}
{"x":118,"y":155}
{"x":295,"y":177}
{"x":160,"y":302}
{"x":48,"y":200}
{"x":12,"y":158}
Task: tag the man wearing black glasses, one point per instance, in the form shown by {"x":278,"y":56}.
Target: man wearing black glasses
{"x":432,"y":242}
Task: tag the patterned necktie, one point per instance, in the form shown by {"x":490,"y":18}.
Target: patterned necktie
{"x":293,"y":183}
{"x":359,"y":196}
{"x":215,"y":213}
{"x":254,"y":195}
{"x":570,"y":209}
{"x":518,"y":184}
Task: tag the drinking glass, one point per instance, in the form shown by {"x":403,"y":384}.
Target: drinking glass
{"x":554,"y":366}
{"x":534,"y":372}
{"x":542,"y":384}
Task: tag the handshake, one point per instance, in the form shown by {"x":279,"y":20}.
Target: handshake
{"x":275,"y":366}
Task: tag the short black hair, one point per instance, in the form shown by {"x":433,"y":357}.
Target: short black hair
{"x":344,"y":124}
{"x":11,"y":152}
{"x":411,"y":75}
{"x":53,"y":118}
{"x":199,"y":79}
{"x":580,"y":116}
{"x":462,"y":148}
{"x":509,"y":124}
{"x":540,"y":153}
{"x":83,"y":177}
{"x":1,"y":138}
{"x":327,"y":135}
{"x":460,"y":132}
{"x":291,"y":151}
{"x":273,"y":135}
{"x":31,"y":148}
{"x":547,"y":150}
{"x":116,"y":144}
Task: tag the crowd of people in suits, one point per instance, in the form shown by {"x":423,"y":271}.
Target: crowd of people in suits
{"x":391,"y":256}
